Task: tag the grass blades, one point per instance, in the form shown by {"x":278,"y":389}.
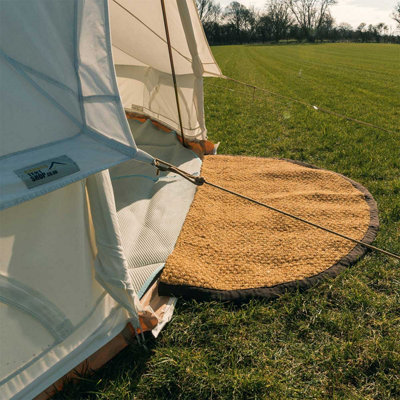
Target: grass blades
{"x":340,"y":340}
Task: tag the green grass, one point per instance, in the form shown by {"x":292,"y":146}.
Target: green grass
{"x":340,"y":340}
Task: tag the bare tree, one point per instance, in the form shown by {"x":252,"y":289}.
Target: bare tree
{"x":209,"y":10}
{"x":344,"y":30}
{"x":303,"y":20}
{"x":280,"y":19}
{"x":361,"y":31}
{"x":311,"y":15}
{"x":254,"y":21}
{"x":361,"y":27}
{"x":396,"y":14}
{"x":264,"y":28}
{"x":376,"y":31}
{"x":240,"y":17}
{"x":382,"y":28}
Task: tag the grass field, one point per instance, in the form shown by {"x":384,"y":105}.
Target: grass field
{"x":340,"y":340}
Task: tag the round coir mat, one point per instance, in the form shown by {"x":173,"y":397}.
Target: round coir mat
{"x":231,"y":249}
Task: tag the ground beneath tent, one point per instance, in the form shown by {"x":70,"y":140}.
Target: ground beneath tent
{"x":230,"y":249}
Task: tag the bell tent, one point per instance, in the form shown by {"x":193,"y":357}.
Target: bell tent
{"x":86,"y":225}
{"x":94,"y":94}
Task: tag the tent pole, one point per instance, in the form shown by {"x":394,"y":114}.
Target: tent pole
{"x":171,"y":60}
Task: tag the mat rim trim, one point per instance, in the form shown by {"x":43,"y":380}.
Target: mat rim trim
{"x":270,"y":292}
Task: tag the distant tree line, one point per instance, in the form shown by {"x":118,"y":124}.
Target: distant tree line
{"x":284,"y":20}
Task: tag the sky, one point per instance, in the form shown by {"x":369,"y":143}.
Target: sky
{"x":351,"y":11}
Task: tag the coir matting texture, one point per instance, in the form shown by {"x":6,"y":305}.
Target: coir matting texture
{"x":231,"y":249}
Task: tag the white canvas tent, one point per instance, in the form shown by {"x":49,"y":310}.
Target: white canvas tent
{"x":85,"y":223}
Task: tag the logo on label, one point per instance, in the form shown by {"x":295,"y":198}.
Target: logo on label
{"x":54,"y":163}
{"x":47,"y":171}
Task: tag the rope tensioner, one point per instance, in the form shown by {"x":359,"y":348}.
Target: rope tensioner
{"x":199,"y":181}
{"x":166,"y":167}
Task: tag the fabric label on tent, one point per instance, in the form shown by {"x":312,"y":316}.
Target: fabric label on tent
{"x":47,"y":171}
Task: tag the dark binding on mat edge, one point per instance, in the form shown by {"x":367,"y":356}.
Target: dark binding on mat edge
{"x":270,"y":292}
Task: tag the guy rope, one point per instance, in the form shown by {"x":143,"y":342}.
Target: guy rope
{"x":304,"y":103}
{"x":199,"y":181}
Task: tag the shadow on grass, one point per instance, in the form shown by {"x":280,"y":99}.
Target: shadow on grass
{"x":126,"y":369}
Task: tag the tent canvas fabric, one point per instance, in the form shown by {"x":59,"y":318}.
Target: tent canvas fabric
{"x":143,"y":67}
{"x":60,"y":96}
{"x":86,"y":225}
